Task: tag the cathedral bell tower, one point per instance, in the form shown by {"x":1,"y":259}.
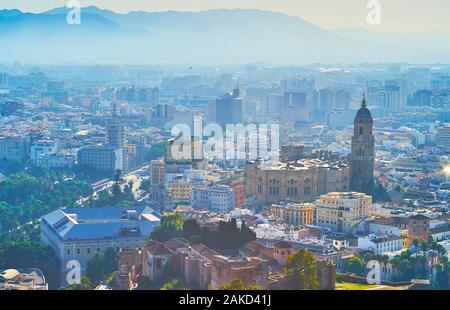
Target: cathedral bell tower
{"x":363,"y":153}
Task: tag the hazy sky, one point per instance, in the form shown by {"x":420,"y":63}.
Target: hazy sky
{"x":396,"y":15}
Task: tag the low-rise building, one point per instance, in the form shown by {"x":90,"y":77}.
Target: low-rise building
{"x":101,"y":158}
{"x":52,"y":161}
{"x":294,"y":213}
{"x":216,"y":198}
{"x":30,"y":279}
{"x":42,"y":147}
{"x":441,"y":232}
{"x":380,"y":245}
{"x":395,"y":225}
{"x":179,"y":189}
{"x":418,"y":228}
{"x":14,"y":148}
{"x":77,"y":234}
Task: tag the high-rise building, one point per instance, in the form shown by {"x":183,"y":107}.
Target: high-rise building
{"x":422,"y":97}
{"x":158,"y":180}
{"x":115,"y":133}
{"x":227,"y":109}
{"x":443,"y":137}
{"x":363,"y":153}
{"x":403,"y":88}
{"x":393,"y":98}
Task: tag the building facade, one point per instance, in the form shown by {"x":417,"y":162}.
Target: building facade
{"x":298,"y":181}
{"x":380,"y":245}
{"x":343,"y":211}
{"x":227,"y":109}
{"x":363,"y":151}
{"x":42,"y":147}
{"x":77,"y":234}
{"x":294,"y":213}
{"x":418,"y":228}
{"x":101,"y":158}
{"x":14,"y":148}
{"x":216,"y":198}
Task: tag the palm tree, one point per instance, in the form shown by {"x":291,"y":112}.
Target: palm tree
{"x":415,"y":243}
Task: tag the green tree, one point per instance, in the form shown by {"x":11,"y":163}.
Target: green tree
{"x":171,"y":226}
{"x":356,"y":265}
{"x":110,"y":260}
{"x":301,"y":268}
{"x":170,"y":286}
{"x":24,"y":198}
{"x":116,"y":189}
{"x":238,"y":285}
{"x":26,"y":254}
{"x":145,"y":185}
{"x":95,"y":268}
{"x":191,"y":229}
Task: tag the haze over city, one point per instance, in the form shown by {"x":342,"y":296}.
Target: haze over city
{"x":244,"y":146}
{"x":398,"y":16}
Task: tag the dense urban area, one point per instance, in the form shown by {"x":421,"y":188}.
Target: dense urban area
{"x":91,"y":196}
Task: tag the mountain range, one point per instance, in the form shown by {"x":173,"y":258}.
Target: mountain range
{"x":220,"y":36}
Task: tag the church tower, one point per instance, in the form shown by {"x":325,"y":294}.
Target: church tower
{"x":363,"y":153}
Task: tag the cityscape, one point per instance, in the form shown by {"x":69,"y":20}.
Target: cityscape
{"x":155,"y":148}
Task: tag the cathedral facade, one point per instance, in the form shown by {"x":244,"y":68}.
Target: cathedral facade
{"x":363,"y":152}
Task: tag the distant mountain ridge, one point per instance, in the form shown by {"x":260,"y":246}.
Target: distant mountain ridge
{"x":212,"y":36}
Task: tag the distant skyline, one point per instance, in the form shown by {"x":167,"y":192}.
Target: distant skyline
{"x":397,"y":15}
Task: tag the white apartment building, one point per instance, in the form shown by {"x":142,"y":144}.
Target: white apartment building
{"x":216,"y":198}
{"x":342,"y":211}
{"x":380,"y":245}
{"x":42,"y":147}
{"x":51,"y":161}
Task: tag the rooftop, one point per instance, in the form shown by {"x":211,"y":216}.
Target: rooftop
{"x":303,"y":165}
{"x":102,"y":223}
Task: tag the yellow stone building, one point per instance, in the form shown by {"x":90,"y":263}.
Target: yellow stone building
{"x":343,"y":211}
{"x":294,"y":213}
{"x":295,"y":181}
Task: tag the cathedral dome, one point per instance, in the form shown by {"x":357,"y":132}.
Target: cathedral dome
{"x":363,"y":115}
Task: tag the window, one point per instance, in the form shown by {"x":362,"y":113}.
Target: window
{"x":361,"y":130}
{"x":68,"y":251}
